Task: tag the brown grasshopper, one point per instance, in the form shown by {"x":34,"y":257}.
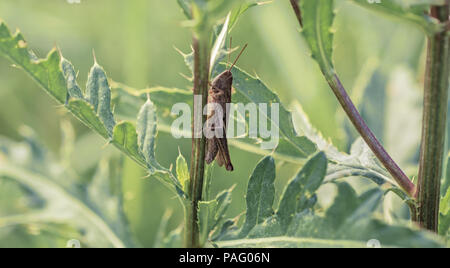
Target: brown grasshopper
{"x":220,"y":94}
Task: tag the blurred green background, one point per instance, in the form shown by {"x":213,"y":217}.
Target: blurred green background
{"x":134,"y":41}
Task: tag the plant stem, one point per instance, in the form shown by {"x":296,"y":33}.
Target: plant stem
{"x":368,"y":136}
{"x":434,"y":123}
{"x":197,"y":171}
{"x":361,"y":126}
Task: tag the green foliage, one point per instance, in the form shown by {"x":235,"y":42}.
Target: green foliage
{"x":211,"y":214}
{"x":318,"y":17}
{"x":252,"y":90}
{"x":46,"y":72}
{"x":146,"y":128}
{"x":411,"y":14}
{"x":261,"y":194}
{"x":299,"y":222}
{"x":98,"y":94}
{"x":125,"y":137}
{"x":361,"y":162}
{"x":299,"y":193}
{"x":56,"y":76}
{"x":94,"y":208}
{"x":183,"y":172}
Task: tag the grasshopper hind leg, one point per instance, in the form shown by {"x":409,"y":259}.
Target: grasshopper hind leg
{"x":211,"y":150}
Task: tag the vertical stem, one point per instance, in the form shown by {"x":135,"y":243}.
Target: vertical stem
{"x":201,"y":82}
{"x":434,"y":123}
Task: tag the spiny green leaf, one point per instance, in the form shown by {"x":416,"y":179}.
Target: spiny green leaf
{"x":46,"y":72}
{"x":360,"y":163}
{"x":304,"y":185}
{"x":253,"y":90}
{"x":318,"y":17}
{"x":94,"y":110}
{"x":98,"y":94}
{"x":147,"y":130}
{"x":71,"y":79}
{"x":125,"y":137}
{"x":260,"y":194}
{"x":394,"y":10}
{"x":88,"y":116}
{"x":183,"y":172}
{"x":126,"y":98}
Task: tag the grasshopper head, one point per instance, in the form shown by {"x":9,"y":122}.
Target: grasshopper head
{"x":223,"y":81}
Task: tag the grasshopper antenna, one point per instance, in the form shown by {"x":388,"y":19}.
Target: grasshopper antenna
{"x":229,"y":51}
{"x":242,"y":51}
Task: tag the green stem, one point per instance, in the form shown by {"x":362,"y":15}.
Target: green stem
{"x":434,"y":123}
{"x":201,"y":82}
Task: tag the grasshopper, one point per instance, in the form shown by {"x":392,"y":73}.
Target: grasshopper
{"x":220,"y":94}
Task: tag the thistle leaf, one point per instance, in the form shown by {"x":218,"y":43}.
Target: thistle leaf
{"x":260,"y":194}
{"x":301,"y":188}
{"x":146,"y":130}
{"x":318,"y":17}
{"x":98,"y":94}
